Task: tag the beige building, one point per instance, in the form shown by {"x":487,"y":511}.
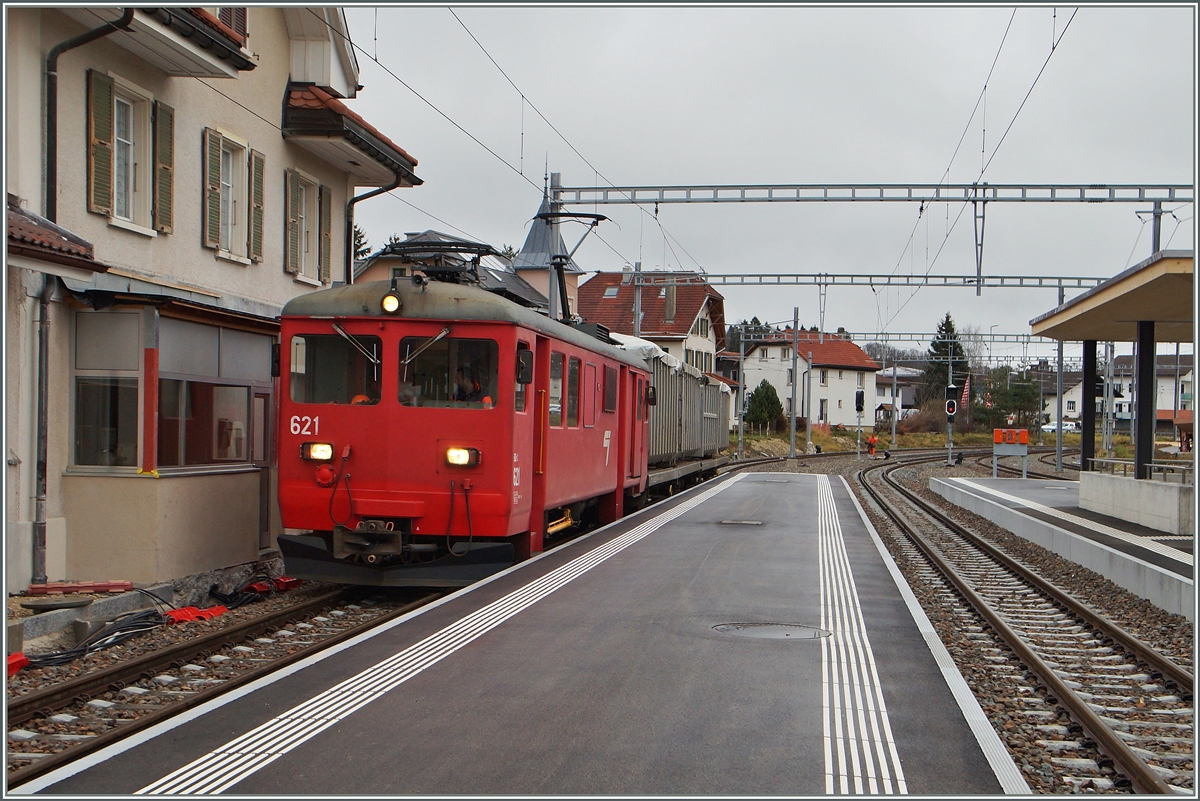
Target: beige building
{"x":161,"y":212}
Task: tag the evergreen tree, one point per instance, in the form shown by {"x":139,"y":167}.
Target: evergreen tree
{"x":362,"y":248}
{"x":509,"y":252}
{"x":944,"y":353}
{"x":764,"y":407}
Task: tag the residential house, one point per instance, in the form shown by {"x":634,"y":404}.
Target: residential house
{"x":687,"y":320}
{"x":1173,"y":391}
{"x":180,"y":176}
{"x":839,"y":368}
{"x":908,"y":382}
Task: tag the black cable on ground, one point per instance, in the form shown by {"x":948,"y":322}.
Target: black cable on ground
{"x":114,"y":633}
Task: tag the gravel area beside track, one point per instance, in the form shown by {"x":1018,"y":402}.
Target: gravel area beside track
{"x":1171,"y":634}
{"x":160,"y":638}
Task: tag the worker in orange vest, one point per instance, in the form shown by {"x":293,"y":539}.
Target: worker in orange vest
{"x":872,"y":441}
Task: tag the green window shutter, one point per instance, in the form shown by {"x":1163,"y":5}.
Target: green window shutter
{"x":164,"y":168}
{"x":211,"y":207}
{"x":326,"y":252}
{"x":258,"y":166}
{"x":291,"y":251}
{"x":100,"y":142}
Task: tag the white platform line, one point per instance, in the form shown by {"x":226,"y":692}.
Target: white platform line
{"x":227,"y":765}
{"x":860,"y":752}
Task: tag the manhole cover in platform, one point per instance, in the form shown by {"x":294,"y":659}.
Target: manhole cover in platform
{"x":773,"y":631}
{"x":741,"y":522}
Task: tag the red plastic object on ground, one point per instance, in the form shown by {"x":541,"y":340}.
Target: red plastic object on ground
{"x":281,"y":584}
{"x":51,"y":587}
{"x":192,"y":613}
{"x":16,"y":662}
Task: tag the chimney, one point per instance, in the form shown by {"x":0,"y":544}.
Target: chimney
{"x":669,"y":304}
{"x":626,"y":275}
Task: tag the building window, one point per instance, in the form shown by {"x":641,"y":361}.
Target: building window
{"x":708,"y":362}
{"x":860,"y":378}
{"x":839,"y":375}
{"x":824,"y":378}
{"x":231,"y":215}
{"x":611,"y":291}
{"x":1070,"y":406}
{"x":704,"y":327}
{"x":762,"y":354}
{"x":130,"y":155}
{"x":106,"y":361}
{"x":824,"y":410}
{"x":789,"y":378}
{"x":234,"y":18}
{"x":839,"y":403}
{"x":785,"y":353}
{"x":310,"y":205}
{"x":209,"y":380}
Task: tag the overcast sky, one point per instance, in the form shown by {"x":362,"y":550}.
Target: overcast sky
{"x":689,"y":96}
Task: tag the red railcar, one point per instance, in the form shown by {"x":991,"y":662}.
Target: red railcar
{"x":434,"y":434}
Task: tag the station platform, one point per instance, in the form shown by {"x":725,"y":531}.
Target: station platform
{"x":1149,"y":563}
{"x":748,"y":637}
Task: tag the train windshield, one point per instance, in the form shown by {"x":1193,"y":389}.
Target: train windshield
{"x":448,"y":372}
{"x":335,"y":368}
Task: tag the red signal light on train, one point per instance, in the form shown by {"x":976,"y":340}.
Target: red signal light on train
{"x":462,"y":457}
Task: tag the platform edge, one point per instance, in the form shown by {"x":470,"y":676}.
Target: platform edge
{"x":1012,"y":782}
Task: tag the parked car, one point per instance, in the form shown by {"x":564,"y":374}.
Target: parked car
{"x":1068,"y":425}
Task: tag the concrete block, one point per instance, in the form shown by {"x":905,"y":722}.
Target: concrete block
{"x":16,"y":637}
{"x":1161,"y":587}
{"x":100,"y":609}
{"x":1160,"y":505}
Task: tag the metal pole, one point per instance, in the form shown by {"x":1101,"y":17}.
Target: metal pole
{"x":895,"y":411}
{"x":950,"y":421}
{"x":637,"y":300}
{"x":808,"y":404}
{"x":796,"y":376}
{"x":741,"y":385}
{"x":1175,"y":400}
{"x":1058,"y":448}
{"x":1155,"y":230}
{"x":43,"y":427}
{"x":1109,"y":399}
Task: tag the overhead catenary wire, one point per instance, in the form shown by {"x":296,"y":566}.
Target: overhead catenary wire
{"x":995,"y":150}
{"x":525,"y":99}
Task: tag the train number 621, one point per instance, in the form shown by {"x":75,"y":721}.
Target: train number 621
{"x":306,"y":425}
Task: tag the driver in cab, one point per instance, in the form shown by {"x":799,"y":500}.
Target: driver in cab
{"x":467,"y":389}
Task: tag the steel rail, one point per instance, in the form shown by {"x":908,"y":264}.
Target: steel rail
{"x":25,"y":707}
{"x":1182,"y":678}
{"x":1142,"y":776}
{"x":46,"y":764}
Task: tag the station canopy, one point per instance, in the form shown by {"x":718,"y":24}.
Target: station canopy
{"x":1158,"y":290}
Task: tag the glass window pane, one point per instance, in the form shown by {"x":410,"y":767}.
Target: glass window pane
{"x":521,"y":394}
{"x":215,"y":423}
{"x":326,"y":368}
{"x":610,"y":389}
{"x":106,"y":421}
{"x":556,"y":388}
{"x":573,"y":392}
{"x":189,"y":348}
{"x":106,"y":341}
{"x":170,"y":422}
{"x":452,"y":372}
{"x":261,"y":421}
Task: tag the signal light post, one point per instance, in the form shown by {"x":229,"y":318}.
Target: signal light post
{"x":858,"y":407}
{"x":951,"y":408}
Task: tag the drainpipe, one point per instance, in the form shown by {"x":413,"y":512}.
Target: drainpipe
{"x":350,"y":222}
{"x":43,"y":409}
{"x":52,"y":103}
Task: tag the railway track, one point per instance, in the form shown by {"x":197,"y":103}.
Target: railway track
{"x":1111,"y":712}
{"x":1070,"y":470}
{"x":57,"y":724}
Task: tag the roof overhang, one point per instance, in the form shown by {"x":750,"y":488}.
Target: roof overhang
{"x":1158,"y":290}
{"x":171,"y":39}
{"x":338,"y":138}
